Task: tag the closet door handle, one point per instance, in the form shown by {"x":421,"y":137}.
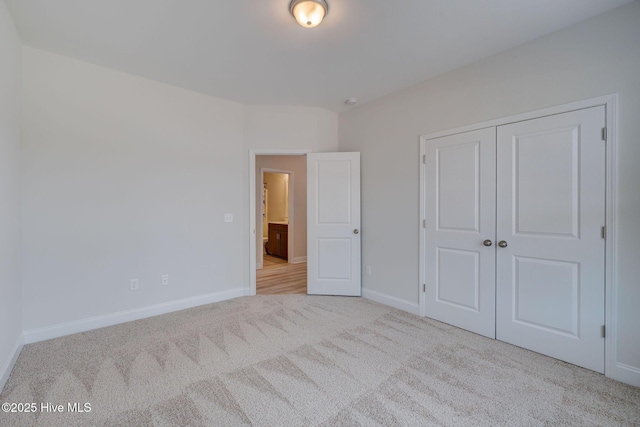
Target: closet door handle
{"x":502,"y":244}
{"x":487,"y":242}
{"x":356,"y":231}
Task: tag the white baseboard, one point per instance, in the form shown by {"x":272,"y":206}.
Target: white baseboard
{"x":299,"y":260}
{"x":259,"y":266}
{"x":394,"y":302}
{"x":82,"y":325}
{"x":9,"y":364}
{"x":626,"y":374}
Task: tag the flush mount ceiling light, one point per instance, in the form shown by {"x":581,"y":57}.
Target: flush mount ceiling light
{"x":309,"y":13}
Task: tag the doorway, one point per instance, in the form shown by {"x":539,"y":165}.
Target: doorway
{"x":280,"y":224}
{"x":333,"y":184}
{"x":276,"y":230}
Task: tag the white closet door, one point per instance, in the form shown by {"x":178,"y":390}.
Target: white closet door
{"x":460,"y":216}
{"x":550,"y":213}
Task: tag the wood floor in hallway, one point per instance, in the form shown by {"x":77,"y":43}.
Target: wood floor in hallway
{"x":279,"y":277}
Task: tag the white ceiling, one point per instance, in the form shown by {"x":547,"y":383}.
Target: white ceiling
{"x":253,"y":51}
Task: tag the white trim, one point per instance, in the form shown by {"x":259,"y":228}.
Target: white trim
{"x":613,"y":369}
{"x":536,"y":114}
{"x":631,"y":371}
{"x":10,"y":363}
{"x":252,"y":223}
{"x":299,"y":260}
{"x":259,"y":265}
{"x":95,"y":322}
{"x":252,"y":205}
{"x":391,"y":301}
{"x":422,"y":275}
{"x":279,"y":151}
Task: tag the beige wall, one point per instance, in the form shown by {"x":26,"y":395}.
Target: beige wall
{"x":597,"y":57}
{"x":277,"y":202}
{"x":297,"y":165}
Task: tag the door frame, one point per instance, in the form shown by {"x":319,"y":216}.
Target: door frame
{"x":291,"y":228}
{"x":613,"y":368}
{"x":251,"y":226}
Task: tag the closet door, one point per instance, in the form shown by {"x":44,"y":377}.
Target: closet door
{"x":460,"y":229}
{"x":550,"y":255}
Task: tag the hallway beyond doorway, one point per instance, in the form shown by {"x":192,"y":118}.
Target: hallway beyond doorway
{"x":279,"y":277}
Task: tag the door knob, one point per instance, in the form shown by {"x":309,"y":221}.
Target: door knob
{"x":502,"y":244}
{"x":487,"y":242}
{"x":356,"y":231}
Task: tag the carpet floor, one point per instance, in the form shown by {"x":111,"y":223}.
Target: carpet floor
{"x":298,"y":360}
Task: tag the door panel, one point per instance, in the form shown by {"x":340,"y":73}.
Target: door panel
{"x":334,"y":258}
{"x":333,"y":227}
{"x":457,"y":189}
{"x":458,"y":276}
{"x":550,"y":210}
{"x":545,"y":182}
{"x":546,"y":294}
{"x":460,"y":215}
{"x":334,"y":192}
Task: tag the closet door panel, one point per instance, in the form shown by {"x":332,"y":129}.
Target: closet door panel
{"x":460,"y":216}
{"x":550,"y":211}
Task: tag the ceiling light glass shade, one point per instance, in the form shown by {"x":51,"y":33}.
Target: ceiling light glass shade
{"x":309,"y":13}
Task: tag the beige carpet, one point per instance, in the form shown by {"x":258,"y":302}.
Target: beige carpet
{"x":297,"y":360}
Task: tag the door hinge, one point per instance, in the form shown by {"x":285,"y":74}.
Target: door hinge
{"x":424,"y":159}
{"x":604,"y":232}
{"x":603,"y":331}
{"x":424,"y":223}
{"x":604,"y":134}
{"x":424,"y":287}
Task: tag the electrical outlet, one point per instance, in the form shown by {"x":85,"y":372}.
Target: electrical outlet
{"x":228,"y":217}
{"x":135,"y":284}
{"x":165,"y":280}
{"x":367,"y":270}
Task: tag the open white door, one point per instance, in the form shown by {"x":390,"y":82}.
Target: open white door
{"x":333,"y":224}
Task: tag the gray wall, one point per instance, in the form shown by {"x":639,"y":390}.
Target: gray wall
{"x":597,"y":57}
{"x":10,"y":227}
{"x":126,"y":178}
